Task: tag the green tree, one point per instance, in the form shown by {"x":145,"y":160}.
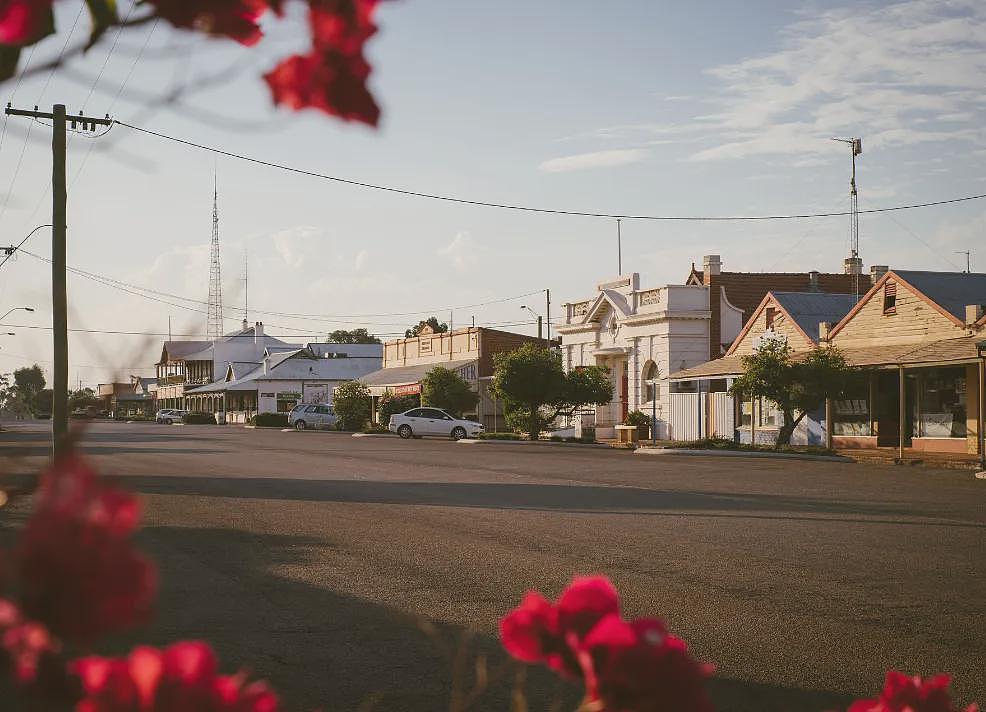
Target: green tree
{"x":352,"y":403}
{"x":43,"y":400}
{"x":29,"y":379}
{"x":392,"y":405}
{"x":82,"y":398}
{"x":432,"y":322}
{"x":535,"y":388}
{"x":798,"y":385}
{"x":19,"y":398}
{"x":355,"y":336}
{"x":447,"y":390}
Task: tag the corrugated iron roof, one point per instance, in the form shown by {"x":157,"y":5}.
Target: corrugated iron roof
{"x":403,"y":375}
{"x":952,"y":291}
{"x":810,"y":308}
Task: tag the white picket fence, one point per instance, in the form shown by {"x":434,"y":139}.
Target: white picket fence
{"x":700,"y":415}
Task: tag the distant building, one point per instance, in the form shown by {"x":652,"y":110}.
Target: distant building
{"x":281,"y":379}
{"x":185,"y":364}
{"x":468,"y":352}
{"x":644,"y":334}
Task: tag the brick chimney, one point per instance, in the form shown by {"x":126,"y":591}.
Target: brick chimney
{"x":258,"y":331}
{"x":824,"y":327}
{"x":877,"y":271}
{"x":813,"y":281}
{"x":711,"y":265}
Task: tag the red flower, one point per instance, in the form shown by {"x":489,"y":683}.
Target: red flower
{"x":182,"y":677}
{"x":911,"y":694}
{"x":327,"y":80}
{"x":23,"y":643}
{"x":640,"y":667}
{"x":235,"y":19}
{"x":342,"y":25}
{"x":79,"y":571}
{"x":24,"y":22}
{"x":537,"y":631}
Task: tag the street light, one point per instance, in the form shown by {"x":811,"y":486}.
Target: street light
{"x":27,"y":309}
{"x":653,"y":382}
{"x":536,"y":316}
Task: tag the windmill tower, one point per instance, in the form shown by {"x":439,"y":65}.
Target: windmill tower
{"x":214,"y":323}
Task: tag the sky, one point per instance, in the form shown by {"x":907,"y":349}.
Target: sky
{"x":628,"y":107}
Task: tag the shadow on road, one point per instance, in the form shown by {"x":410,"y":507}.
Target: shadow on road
{"x":583,"y":499}
{"x":323,"y":648}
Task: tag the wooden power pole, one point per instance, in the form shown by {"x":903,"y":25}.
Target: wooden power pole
{"x":59,"y":295}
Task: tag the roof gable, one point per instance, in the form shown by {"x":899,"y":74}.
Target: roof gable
{"x":951,"y":291}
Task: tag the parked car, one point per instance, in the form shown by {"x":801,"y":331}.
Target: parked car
{"x":419,"y":422}
{"x":167,"y":416}
{"x":306,"y":416}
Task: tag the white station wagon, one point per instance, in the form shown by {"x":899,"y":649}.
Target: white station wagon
{"x":418,"y":422}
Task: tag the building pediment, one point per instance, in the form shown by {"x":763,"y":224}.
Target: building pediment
{"x":607,"y":300}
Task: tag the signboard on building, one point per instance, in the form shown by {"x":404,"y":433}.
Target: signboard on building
{"x":315,"y":393}
{"x":409,"y":389}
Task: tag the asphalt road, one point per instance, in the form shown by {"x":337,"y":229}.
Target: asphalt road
{"x":346,"y":571}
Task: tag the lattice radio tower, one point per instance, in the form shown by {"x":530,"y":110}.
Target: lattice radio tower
{"x":214,"y":325}
{"x":853,"y":264}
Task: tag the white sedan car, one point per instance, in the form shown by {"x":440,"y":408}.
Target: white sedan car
{"x":418,"y":422}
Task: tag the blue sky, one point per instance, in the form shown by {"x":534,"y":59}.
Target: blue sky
{"x":643,"y":107}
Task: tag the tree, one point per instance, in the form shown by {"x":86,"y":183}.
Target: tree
{"x":29,"y":379}
{"x":797,"y":385}
{"x":82,"y":399}
{"x":432,"y":322}
{"x":43,"y":400}
{"x":352,"y":403}
{"x":392,"y":405}
{"x":447,"y":390}
{"x":535,"y":388}
{"x":356,"y":336}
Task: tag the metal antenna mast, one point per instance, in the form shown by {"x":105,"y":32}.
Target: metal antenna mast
{"x":246,"y":285}
{"x":214,"y":326}
{"x":853,"y":264}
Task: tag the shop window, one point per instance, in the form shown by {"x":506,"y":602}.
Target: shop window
{"x":746,"y":414}
{"x":941,"y":403}
{"x":767,"y":415}
{"x":890,"y":298}
{"x":851,"y":414}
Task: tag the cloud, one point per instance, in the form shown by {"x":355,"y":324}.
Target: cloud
{"x":462,"y":252}
{"x":901,"y":75}
{"x":596,"y":159}
{"x":294,"y":244}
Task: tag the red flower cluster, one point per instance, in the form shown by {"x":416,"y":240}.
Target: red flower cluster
{"x":903,"y":693}
{"x":23,"y":643}
{"x":24,"y":22}
{"x":632,"y":666}
{"x":79,"y":571}
{"x":332,"y":75}
{"x":181,"y":678}
{"x":235,"y":19}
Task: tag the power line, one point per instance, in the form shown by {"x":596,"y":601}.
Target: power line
{"x":529,"y":208}
{"x":327,"y":318}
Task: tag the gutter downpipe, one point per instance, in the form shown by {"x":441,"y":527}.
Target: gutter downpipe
{"x":982,"y":417}
{"x":901,"y":414}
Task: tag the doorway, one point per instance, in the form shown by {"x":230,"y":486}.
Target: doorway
{"x":888,"y":409}
{"x":625,"y":393}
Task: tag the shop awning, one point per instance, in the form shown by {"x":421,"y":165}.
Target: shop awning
{"x":929,"y":353}
{"x":396,"y":377}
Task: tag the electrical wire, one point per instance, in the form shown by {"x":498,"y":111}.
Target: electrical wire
{"x":330,"y":318}
{"x":529,"y":208}
{"x":20,"y":244}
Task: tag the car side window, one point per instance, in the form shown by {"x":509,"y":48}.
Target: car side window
{"x":434,"y":414}
{"x":416,"y":413}
{"x":310,"y":409}
{"x":323,"y":409}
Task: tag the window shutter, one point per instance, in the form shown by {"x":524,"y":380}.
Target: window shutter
{"x":890,"y":298}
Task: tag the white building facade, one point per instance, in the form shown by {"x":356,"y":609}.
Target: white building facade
{"x":641,"y":335}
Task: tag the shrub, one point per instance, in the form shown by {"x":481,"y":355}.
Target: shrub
{"x":374,"y":429}
{"x":351,"y":402}
{"x":392,"y":405}
{"x":270,"y":420}
{"x":638,"y":418}
{"x":199,"y":419}
{"x":445,"y":389}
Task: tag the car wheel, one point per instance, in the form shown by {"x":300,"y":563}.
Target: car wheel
{"x":160,"y":422}
{"x":300,"y":425}
{"x":458,"y":433}
{"x":405,"y":432}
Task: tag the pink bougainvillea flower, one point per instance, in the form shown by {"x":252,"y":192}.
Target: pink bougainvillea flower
{"x":23,"y":643}
{"x":235,"y":19}
{"x":539,"y":631}
{"x":904,"y":693}
{"x":24,"y":22}
{"x":326,"y":80}
{"x":182,"y":677}
{"x":79,"y":572}
{"x":640,"y":667}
